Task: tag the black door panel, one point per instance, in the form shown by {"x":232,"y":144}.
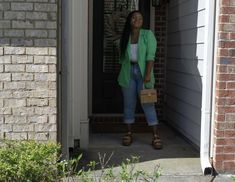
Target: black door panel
{"x":108,"y":20}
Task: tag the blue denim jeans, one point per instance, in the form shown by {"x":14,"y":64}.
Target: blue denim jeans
{"x":130,"y":95}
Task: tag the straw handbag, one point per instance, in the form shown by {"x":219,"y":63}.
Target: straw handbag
{"x":148,"y":95}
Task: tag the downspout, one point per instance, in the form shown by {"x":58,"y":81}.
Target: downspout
{"x":207,"y":88}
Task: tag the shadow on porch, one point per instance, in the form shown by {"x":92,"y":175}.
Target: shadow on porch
{"x":178,"y":157}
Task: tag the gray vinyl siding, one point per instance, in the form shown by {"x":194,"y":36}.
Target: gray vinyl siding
{"x":184,"y":67}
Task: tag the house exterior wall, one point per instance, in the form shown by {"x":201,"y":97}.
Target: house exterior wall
{"x":28,"y":60}
{"x":224,"y":124}
{"x":184,"y":67}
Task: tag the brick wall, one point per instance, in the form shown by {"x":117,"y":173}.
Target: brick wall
{"x":224,"y":131}
{"x":160,"y":32}
{"x":28,"y":69}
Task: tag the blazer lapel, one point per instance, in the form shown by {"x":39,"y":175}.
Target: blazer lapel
{"x":129,"y":48}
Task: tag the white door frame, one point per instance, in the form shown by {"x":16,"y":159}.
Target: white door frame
{"x":74,"y":48}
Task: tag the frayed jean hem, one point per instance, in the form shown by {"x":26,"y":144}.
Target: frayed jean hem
{"x":129,"y":121}
{"x":152,"y":123}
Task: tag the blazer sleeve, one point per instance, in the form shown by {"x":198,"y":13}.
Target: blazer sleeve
{"x":151,"y":46}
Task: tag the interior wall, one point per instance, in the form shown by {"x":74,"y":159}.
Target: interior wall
{"x":184,"y":66}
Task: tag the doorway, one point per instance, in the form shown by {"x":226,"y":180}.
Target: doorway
{"x":108,"y":22}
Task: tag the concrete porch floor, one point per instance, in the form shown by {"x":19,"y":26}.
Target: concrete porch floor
{"x":179,"y":160}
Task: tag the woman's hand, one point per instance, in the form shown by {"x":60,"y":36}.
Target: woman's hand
{"x":147,"y":78}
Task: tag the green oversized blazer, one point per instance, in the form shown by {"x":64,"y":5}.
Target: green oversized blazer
{"x":147,"y":46}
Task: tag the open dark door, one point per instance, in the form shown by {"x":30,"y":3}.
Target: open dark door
{"x":106,"y":92}
{"x":108,"y":21}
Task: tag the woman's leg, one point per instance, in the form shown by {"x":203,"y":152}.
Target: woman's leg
{"x":129,"y":98}
{"x":129,"y":128}
{"x":148,"y":108}
{"x":150,"y":114}
{"x":151,"y":117}
{"x":155,"y":130}
{"x":156,"y":142}
{"x":129,"y":95}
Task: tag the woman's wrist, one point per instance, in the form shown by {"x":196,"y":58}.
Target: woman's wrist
{"x":147,"y":78}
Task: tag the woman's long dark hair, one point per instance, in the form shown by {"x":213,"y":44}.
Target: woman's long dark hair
{"x":126,"y":32}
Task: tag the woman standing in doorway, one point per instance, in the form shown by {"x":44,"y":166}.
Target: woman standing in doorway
{"x":137,"y":55}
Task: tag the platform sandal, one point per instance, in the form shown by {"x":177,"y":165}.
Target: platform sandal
{"x":157,"y":142}
{"x":127,"y":139}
